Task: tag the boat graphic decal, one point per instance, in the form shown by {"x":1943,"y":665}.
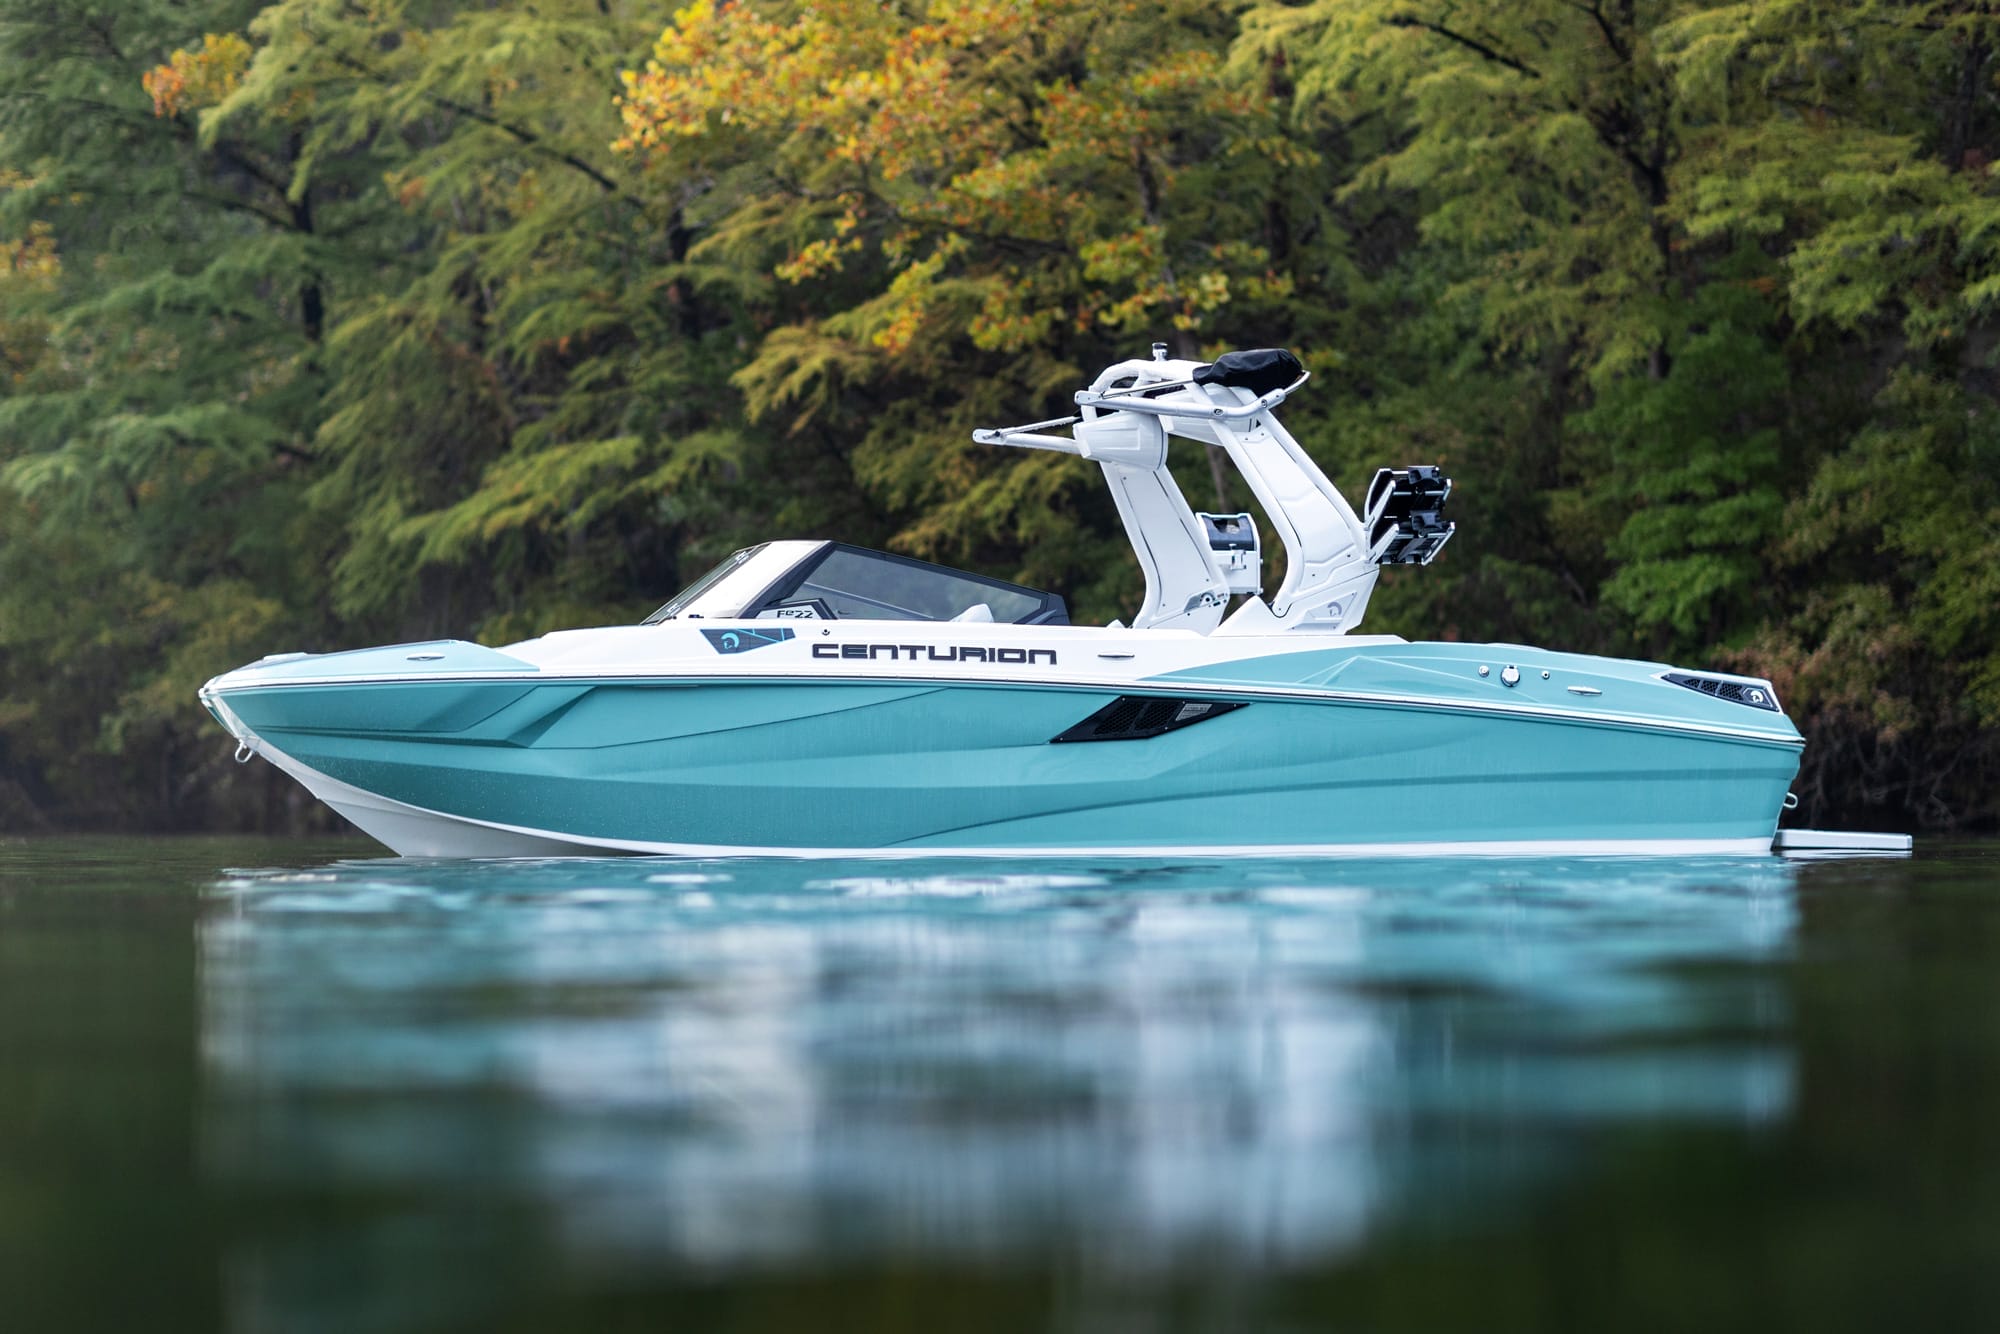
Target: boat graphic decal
{"x":742,"y":641}
{"x":933,"y":653}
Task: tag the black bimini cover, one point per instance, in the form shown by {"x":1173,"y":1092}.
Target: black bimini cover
{"x":1260,"y":370}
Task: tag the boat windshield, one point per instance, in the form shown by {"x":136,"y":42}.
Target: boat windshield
{"x":855,"y":584}
{"x":687,"y":596}
{"x":832,"y":581}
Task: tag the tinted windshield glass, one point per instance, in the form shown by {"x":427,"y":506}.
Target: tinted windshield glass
{"x":855,"y":584}
{"x":694,"y":590}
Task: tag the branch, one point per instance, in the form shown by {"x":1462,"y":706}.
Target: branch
{"x":187,"y":132}
{"x":178,"y":123}
{"x":1469,"y":43}
{"x":238,"y":206}
{"x":534,"y":141}
{"x":1613,"y":129}
{"x":102,"y":30}
{"x":526,"y":137}
{"x":249,"y":166}
{"x":1595,"y":11}
{"x":135,"y":115}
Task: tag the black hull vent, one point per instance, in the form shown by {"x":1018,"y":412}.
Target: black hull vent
{"x":1736,"y":692}
{"x":1136,"y":717}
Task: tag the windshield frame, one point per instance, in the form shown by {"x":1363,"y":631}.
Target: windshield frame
{"x":688,"y":596}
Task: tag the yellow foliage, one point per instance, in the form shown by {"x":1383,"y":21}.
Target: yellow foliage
{"x":191,"y":80}
{"x":947,"y":137}
{"x":33,"y":258}
{"x":30,"y":262}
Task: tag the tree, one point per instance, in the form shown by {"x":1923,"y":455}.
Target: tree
{"x":146,"y":450}
{"x":1737,"y":250}
{"x":326,"y":322}
{"x":525,"y":420}
{"x":955,"y":213}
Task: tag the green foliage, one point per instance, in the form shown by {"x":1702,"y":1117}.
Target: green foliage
{"x":960,"y":212}
{"x":1857,"y":135}
{"x":1905,"y":523}
{"x":1695,"y":466}
{"x":324,"y":322}
{"x":1537,"y":139}
{"x":1688,"y":278}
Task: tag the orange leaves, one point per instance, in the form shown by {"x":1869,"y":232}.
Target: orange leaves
{"x":1013,"y":194}
{"x":191,"y":80}
{"x":408,"y":190}
{"x":1114,"y":117}
{"x":167,"y":85}
{"x":868,"y":84}
{"x":863,"y":82}
{"x":816,"y":258}
{"x":824,"y":255}
{"x":998,"y":170}
{"x":909,"y":296}
{"x":719,"y":65}
{"x":1014,"y":315}
{"x":1122,"y":259}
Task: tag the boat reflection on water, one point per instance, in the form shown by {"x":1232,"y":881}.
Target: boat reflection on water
{"x":566,"y":1071}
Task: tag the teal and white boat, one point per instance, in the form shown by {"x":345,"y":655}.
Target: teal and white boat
{"x":810,"y":697}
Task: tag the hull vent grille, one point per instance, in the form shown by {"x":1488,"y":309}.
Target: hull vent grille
{"x":1136,"y":717}
{"x":1736,"y":692}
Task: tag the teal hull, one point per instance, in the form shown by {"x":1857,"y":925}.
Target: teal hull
{"x":789,"y":765}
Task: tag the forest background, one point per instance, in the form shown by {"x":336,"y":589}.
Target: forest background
{"x":330,"y":322}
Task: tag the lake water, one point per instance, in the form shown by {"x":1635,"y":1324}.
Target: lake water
{"x":277,"y":1086}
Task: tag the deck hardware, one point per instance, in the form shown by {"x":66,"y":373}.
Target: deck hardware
{"x":1755,"y":695}
{"x":1585,"y":690}
{"x":1510,"y":675}
{"x":1545,"y":676}
{"x":1483,"y":669}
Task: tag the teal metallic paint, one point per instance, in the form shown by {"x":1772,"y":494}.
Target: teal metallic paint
{"x":812,"y":764}
{"x":1446,"y":672}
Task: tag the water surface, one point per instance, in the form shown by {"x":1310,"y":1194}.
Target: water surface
{"x":293,"y":1087}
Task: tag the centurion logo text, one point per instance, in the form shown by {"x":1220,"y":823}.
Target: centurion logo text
{"x":1026,"y":657}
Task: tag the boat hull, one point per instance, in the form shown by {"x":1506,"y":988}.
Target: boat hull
{"x":523,"y":767}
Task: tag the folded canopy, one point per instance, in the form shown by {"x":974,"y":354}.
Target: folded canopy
{"x":1260,"y":370}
